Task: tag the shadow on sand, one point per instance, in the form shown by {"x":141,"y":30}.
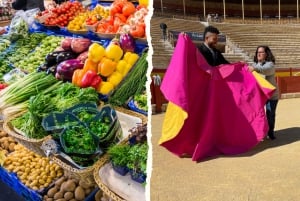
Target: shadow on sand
{"x":283,"y":137}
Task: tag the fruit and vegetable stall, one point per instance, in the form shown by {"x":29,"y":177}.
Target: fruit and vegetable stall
{"x":73,"y":102}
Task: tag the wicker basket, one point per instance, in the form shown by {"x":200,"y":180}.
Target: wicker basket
{"x":86,"y":174}
{"x":132,"y":113}
{"x":32,"y":144}
{"x":99,"y":182}
{"x":105,"y":159}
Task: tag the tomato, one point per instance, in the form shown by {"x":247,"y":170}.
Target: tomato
{"x":128,"y":9}
{"x":137,"y":31}
{"x":121,"y":17}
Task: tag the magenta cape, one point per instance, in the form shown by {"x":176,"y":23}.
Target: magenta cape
{"x":211,"y":110}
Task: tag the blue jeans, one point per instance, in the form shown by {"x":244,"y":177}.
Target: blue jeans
{"x":271,"y":114}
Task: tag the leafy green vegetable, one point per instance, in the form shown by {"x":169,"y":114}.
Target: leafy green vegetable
{"x":100,"y":128}
{"x":78,"y":139}
{"x":119,"y":154}
{"x":140,"y":101}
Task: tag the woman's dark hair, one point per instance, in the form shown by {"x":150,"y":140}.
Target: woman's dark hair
{"x":269,"y":57}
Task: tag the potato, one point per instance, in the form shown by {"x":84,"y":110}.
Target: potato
{"x":60,"y":181}
{"x":5,"y":145}
{"x":98,"y":195}
{"x":68,"y":195}
{"x":3,"y":134}
{"x":68,"y":186}
{"x":87,"y":191}
{"x":79,"y":193}
{"x":61,"y":199}
{"x":84,"y":184}
{"x":51,"y":192}
{"x":58,"y":195}
{"x":11,"y":146}
{"x":49,"y":199}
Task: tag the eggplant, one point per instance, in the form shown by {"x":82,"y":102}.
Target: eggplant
{"x":51,"y":58}
{"x":127,"y":42}
{"x":42,"y":68}
{"x":65,"y":69}
{"x":51,"y":70}
{"x":65,"y":55}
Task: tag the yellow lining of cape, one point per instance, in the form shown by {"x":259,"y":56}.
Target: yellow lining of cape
{"x":173,"y":122}
{"x":262,"y":81}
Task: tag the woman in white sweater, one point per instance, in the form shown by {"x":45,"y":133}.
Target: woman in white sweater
{"x":264,"y":63}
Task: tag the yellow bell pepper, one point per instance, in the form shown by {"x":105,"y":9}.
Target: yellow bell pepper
{"x":121,"y":66}
{"x":115,"y":78}
{"x":106,"y":67}
{"x":133,"y":58}
{"x":126,"y":69}
{"x":105,"y":88}
{"x":114,"y":52}
{"x":96,"y":52}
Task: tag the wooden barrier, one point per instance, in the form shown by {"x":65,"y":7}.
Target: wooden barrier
{"x":287,"y":83}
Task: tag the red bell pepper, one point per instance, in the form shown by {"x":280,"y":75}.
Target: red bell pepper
{"x":3,"y":86}
{"x":90,"y":79}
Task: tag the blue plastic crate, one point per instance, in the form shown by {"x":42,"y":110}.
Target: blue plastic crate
{"x":26,"y":193}
{"x":134,"y":108}
{"x":12,"y":181}
{"x":91,"y":196}
{"x":7,"y":178}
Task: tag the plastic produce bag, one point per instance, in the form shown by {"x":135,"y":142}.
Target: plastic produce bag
{"x":13,"y":75}
{"x":20,"y":23}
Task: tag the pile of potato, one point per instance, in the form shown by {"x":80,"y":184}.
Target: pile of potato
{"x":7,"y":143}
{"x":67,"y":188}
{"x":35,"y":171}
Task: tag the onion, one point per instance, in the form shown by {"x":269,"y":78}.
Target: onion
{"x":83,"y":56}
{"x":65,"y":69}
{"x":66,"y":43}
{"x":80,"y":45}
{"x":127,"y":42}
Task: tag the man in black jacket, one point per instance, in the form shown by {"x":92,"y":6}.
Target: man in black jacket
{"x":208,"y":48}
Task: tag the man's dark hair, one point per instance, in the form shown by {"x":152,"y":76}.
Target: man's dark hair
{"x":210,"y":29}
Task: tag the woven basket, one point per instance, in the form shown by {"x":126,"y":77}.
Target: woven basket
{"x":105,"y":159}
{"x":86,"y":174}
{"x":99,"y":182}
{"x":32,"y":144}
{"x":132,"y":113}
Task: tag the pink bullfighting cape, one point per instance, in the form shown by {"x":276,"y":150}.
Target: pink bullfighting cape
{"x":211,"y":110}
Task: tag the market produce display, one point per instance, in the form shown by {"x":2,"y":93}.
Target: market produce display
{"x":61,"y":14}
